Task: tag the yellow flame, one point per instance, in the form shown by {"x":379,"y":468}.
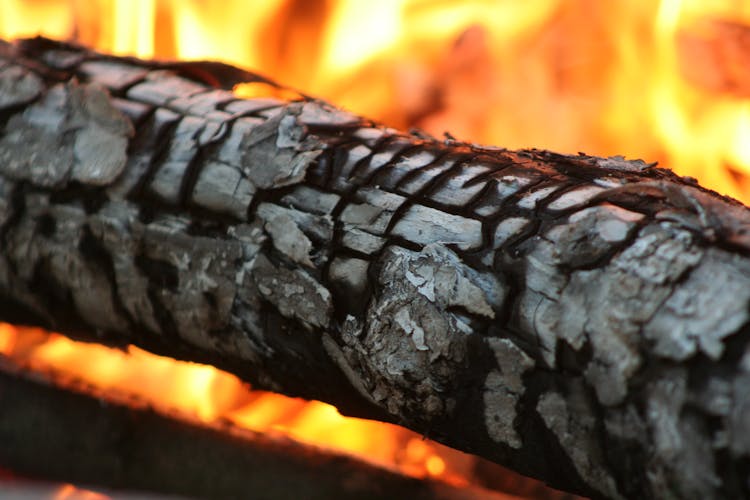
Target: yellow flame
{"x":133,"y":31}
{"x":191,"y":387}
{"x":21,"y":18}
{"x":7,"y":338}
{"x":212,"y":395}
{"x":231,"y":30}
{"x":605,"y":78}
{"x":71,"y":492}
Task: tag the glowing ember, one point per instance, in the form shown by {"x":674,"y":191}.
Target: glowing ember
{"x":70,"y":492}
{"x":7,"y":338}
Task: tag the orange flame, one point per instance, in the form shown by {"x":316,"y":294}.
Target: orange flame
{"x":70,"y":492}
{"x":211,"y":395}
{"x":663,"y":80}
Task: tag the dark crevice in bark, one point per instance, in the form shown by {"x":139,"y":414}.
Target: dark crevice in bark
{"x":91,"y":198}
{"x":161,"y":274}
{"x":97,"y":255}
{"x":546,"y":452}
{"x":157,"y":138}
{"x":196,"y":164}
{"x":57,"y":300}
{"x":16,"y":207}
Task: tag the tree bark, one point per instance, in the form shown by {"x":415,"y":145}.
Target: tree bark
{"x":582,"y":320}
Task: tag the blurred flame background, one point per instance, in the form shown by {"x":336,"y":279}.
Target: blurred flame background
{"x":663,"y":80}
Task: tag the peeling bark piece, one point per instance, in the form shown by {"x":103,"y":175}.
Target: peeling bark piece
{"x":289,"y":240}
{"x":361,"y":241}
{"x":311,"y":200}
{"x":270,"y":158}
{"x":443,"y":278}
{"x":222,"y":188}
{"x":319,"y":113}
{"x":502,"y":390}
{"x":531,"y":200}
{"x":101,"y":137}
{"x":411,"y":366}
{"x":571,"y":419}
{"x":702,"y":291}
{"x":413,"y":344}
{"x":620,"y":163}
{"x":319,"y":228}
{"x":161,"y":87}
{"x":294,"y":293}
{"x":375,"y":213}
{"x":113,"y":75}
{"x":72,"y":132}
{"x":203,"y":103}
{"x":248,"y":107}
{"x":590,"y":234}
{"x":575,"y":198}
{"x":456,"y":192}
{"x":426,"y":225}
{"x":18,"y":87}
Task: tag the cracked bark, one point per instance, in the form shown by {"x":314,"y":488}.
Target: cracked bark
{"x":582,"y":320}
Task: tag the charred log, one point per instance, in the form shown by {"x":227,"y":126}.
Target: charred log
{"x":582,"y":320}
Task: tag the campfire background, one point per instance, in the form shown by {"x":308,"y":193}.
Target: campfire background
{"x":666,"y":81}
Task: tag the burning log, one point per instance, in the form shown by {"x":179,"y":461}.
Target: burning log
{"x":582,"y":320}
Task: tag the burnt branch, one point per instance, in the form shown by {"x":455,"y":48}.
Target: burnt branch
{"x":582,"y":320}
{"x":62,"y":434}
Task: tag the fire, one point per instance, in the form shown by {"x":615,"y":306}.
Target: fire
{"x":211,"y":396}
{"x":662,"y":80}
{"x":70,"y":492}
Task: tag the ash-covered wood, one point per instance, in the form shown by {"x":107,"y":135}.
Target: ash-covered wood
{"x":582,"y":320}
{"x":52,"y":433}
